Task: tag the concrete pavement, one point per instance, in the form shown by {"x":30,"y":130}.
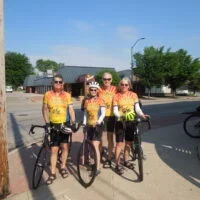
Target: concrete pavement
{"x":171,"y":171}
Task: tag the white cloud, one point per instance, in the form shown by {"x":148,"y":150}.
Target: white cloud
{"x":83,"y":56}
{"x":127,"y":32}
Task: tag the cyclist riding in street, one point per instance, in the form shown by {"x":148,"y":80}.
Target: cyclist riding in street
{"x":106,"y":92}
{"x":125,"y":107}
{"x":54,"y":110}
{"x":94,"y":113}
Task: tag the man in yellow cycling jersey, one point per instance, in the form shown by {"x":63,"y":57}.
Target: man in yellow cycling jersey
{"x":54,"y":110}
{"x":106,"y":92}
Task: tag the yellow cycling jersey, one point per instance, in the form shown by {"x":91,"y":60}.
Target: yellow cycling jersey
{"x":92,"y":107}
{"x":125,"y":102}
{"x":107,"y":96}
{"x":57,"y":104}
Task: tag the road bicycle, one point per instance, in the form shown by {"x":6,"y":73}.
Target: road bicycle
{"x":136,"y":152}
{"x":191,"y":124}
{"x":87,"y":161}
{"x":42,"y":163}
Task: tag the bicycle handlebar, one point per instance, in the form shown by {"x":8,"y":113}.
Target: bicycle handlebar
{"x":139,"y":120}
{"x":31,"y":131}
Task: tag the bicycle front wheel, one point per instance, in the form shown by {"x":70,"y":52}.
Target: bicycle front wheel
{"x":42,"y":162}
{"x":69,"y":144}
{"x":87,"y":163}
{"x":191,"y":126}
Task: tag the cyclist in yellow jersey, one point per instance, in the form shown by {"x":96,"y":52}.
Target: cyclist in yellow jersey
{"x":54,"y":110}
{"x":94,"y":113}
{"x":106,"y":92}
{"x":126,"y":106}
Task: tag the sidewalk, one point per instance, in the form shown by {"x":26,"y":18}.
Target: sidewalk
{"x":171,"y":171}
{"x":159,"y":100}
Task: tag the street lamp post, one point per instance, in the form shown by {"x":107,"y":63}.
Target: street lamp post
{"x":132,"y":49}
{"x":132,"y":56}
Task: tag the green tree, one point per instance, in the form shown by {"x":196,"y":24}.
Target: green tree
{"x":17,"y":68}
{"x":149,"y":68}
{"x":177,"y":67}
{"x":115,"y":77}
{"x":194,"y":76}
{"x":44,"y":65}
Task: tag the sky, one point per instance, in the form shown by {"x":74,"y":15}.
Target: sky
{"x":99,"y":33}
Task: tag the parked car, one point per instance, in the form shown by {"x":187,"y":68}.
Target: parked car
{"x":9,"y":88}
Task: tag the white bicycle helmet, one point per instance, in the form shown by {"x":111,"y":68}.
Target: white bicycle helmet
{"x":93,"y":85}
{"x":64,"y":129}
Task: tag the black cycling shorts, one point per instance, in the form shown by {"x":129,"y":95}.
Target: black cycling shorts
{"x":109,"y":124}
{"x":56,"y":136}
{"x":94,"y":133}
{"x":126,"y":132}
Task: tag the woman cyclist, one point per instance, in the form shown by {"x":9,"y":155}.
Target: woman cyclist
{"x":125,"y":107}
{"x":94,"y":113}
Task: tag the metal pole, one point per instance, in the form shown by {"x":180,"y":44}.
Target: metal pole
{"x":4,"y":172}
{"x":132,"y":57}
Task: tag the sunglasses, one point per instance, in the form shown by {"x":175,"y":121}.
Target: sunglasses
{"x":107,"y":79}
{"x":93,"y":90}
{"x":58,"y":82}
{"x":126,"y":85}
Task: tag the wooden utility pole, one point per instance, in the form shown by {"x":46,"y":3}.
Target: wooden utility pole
{"x":4,"y":175}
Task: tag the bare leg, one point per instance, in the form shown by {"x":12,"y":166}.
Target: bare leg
{"x":64,"y":148}
{"x":127,"y":150}
{"x":96,"y":146}
{"x":110,"y":144}
{"x":54,"y":153}
{"x":118,"y":149}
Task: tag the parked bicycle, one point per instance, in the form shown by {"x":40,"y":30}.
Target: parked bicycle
{"x":191,"y":124}
{"x":86,"y":161}
{"x":43,"y":157}
{"x":136,"y":147}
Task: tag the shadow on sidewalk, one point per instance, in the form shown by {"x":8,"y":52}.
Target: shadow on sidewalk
{"x":72,"y":161}
{"x":174,"y":147}
{"x":21,"y":164}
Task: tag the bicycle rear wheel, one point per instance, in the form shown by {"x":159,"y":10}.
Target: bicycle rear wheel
{"x":191,"y":126}
{"x":140,"y":163}
{"x":87,"y":163}
{"x":138,"y":152}
{"x":41,"y":164}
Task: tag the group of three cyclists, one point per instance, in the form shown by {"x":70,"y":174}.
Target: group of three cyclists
{"x":103,"y":104}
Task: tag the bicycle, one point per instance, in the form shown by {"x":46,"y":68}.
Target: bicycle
{"x":43,"y":157}
{"x":136,"y":152}
{"x":191,"y":124}
{"x":86,"y":161}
